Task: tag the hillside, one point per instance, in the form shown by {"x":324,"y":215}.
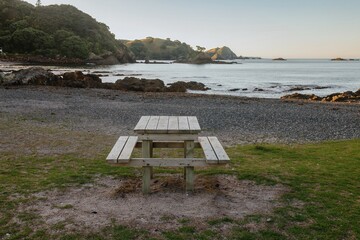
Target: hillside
{"x":160,"y":49}
{"x":57,"y":31}
{"x":223,"y":53}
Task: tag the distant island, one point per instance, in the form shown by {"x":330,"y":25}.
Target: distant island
{"x":343,"y":59}
{"x":159,"y":49}
{"x":279,"y":59}
{"x":166,"y":49}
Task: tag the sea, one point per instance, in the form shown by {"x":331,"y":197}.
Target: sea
{"x":262,"y":78}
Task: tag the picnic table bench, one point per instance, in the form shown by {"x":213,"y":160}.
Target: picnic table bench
{"x":167,"y":132}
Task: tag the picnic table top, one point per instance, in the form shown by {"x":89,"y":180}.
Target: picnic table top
{"x":168,"y":124}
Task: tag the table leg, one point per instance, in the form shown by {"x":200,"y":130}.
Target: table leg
{"x":147,"y":152}
{"x":146,"y":180}
{"x":189,"y":171}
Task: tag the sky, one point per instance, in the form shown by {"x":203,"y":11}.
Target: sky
{"x":263,"y":28}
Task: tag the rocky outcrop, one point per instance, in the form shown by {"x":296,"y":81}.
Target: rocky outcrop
{"x":79,"y":80}
{"x":122,"y":55}
{"x":181,"y":86}
{"x":2,"y":77}
{"x":300,"y":96}
{"x":140,"y":85}
{"x":29,"y":76}
{"x":348,"y":96}
{"x":202,"y":58}
{"x":223,"y":53}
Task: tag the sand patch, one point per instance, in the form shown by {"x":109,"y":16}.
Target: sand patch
{"x":95,"y":206}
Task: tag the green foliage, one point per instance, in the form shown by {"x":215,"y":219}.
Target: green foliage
{"x":74,"y":47}
{"x":49,"y":30}
{"x":29,"y":40}
{"x":160,"y":49}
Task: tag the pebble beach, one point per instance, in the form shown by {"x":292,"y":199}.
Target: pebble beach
{"x":234,"y":120}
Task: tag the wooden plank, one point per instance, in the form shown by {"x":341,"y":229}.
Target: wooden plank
{"x":152,"y":124}
{"x":162,"y":127}
{"x":128,"y":149}
{"x":116,"y":150}
{"x":173,"y":124}
{"x":141,"y":125}
{"x":169,"y":144}
{"x":169,"y":137}
{"x":165,"y":162}
{"x":189,"y":149}
{"x":209,"y":153}
{"x":218,"y":149}
{"x":194,"y":124}
{"x":183,"y":124}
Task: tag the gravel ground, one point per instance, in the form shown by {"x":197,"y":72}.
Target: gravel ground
{"x":234,"y":120}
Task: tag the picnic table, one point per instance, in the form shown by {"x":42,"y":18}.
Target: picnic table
{"x":167,"y":132}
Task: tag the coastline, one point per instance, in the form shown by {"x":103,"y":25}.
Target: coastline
{"x":235,"y":120}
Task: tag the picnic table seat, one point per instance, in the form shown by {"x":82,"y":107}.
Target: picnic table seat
{"x":213,"y":151}
{"x":122,"y":150}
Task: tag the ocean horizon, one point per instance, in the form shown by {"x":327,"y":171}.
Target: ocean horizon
{"x":263,"y":78}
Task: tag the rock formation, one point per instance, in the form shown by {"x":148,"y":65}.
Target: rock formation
{"x":223,"y":53}
{"x":77,"y":79}
{"x":348,"y":96}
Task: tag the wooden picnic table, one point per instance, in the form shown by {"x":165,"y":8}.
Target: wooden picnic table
{"x":167,"y":132}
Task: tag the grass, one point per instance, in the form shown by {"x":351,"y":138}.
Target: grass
{"x":323,"y":201}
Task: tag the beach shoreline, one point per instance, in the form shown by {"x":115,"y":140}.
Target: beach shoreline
{"x":110,"y":113}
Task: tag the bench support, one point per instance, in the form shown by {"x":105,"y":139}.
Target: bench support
{"x":189,"y":179}
{"x":189,"y":171}
{"x":147,"y":152}
{"x":146,"y":179}
{"x":213,"y":151}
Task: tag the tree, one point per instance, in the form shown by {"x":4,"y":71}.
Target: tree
{"x":74,"y":47}
{"x":200,"y":49}
{"x":29,"y":40}
{"x":38,"y":3}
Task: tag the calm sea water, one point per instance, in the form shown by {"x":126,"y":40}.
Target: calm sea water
{"x":273,"y":78}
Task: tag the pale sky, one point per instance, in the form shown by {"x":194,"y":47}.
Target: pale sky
{"x":264,"y":28}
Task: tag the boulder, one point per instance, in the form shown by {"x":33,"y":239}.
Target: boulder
{"x":348,"y":96}
{"x":140,"y":85}
{"x":302,"y":97}
{"x":196,"y":86}
{"x":79,"y":80}
{"x":2,"y":77}
{"x":177,"y":87}
{"x":181,"y":86}
{"x":234,"y":89}
{"x":30,"y":76}
{"x":357,"y":92}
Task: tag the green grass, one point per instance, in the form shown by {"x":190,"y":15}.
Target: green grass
{"x":323,"y":201}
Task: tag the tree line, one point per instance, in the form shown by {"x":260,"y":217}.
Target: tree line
{"x":55,"y":30}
